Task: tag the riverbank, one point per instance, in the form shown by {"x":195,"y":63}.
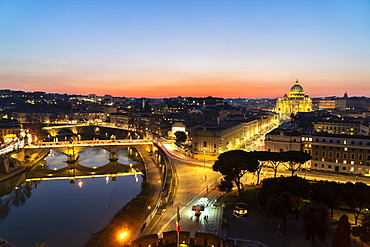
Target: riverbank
{"x":24,"y":166}
{"x":131,"y":217}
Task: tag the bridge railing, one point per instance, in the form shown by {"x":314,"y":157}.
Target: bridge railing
{"x":90,"y":143}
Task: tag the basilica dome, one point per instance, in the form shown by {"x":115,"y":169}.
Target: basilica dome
{"x":296,"y":91}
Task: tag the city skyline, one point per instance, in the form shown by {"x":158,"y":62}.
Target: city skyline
{"x":167,"y":49}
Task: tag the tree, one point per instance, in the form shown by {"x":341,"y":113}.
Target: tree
{"x":298,"y":188}
{"x":283,"y":195}
{"x":263,"y":158}
{"x":234,"y":164}
{"x":342,"y":236}
{"x":294,"y":160}
{"x":180,"y":137}
{"x":356,"y":196}
{"x":326,"y":193}
{"x":225,"y":185}
{"x":315,"y":221}
{"x":274,"y":160}
{"x":363,"y":231}
{"x":278,"y":207}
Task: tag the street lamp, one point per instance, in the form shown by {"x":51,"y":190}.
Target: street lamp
{"x":122,"y":236}
{"x":106,"y":136}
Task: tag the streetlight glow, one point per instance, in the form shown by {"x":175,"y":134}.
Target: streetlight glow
{"x":122,"y":235}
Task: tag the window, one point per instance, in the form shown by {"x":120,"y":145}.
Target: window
{"x":344,"y":168}
{"x":322,"y":166}
{"x":352,"y":156}
{"x":329,"y":166}
{"x":330,"y":154}
{"x":316,"y":153}
{"x":205,"y":144}
{"x":344,"y":161}
{"x":337,"y":155}
{"x":315,"y":165}
{"x":344,"y":155}
{"x":323,"y":153}
{"x":360,"y":157}
{"x":345,"y":149}
{"x":214,"y":146}
{"x":331,"y":141}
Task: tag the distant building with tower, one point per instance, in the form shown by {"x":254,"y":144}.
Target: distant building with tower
{"x":296,"y":101}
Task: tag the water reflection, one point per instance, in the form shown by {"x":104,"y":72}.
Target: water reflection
{"x":61,"y":213}
{"x":15,"y":198}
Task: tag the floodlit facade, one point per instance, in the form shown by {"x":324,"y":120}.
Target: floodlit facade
{"x":295,"y":101}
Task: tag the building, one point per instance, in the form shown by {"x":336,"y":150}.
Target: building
{"x":9,"y":130}
{"x":352,"y":103}
{"x":283,"y":139}
{"x":330,"y":152}
{"x":340,"y":153}
{"x":209,"y":141}
{"x":341,"y":127}
{"x":326,"y":104}
{"x":296,"y":101}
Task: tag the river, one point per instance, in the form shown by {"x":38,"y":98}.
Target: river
{"x":60,"y":213}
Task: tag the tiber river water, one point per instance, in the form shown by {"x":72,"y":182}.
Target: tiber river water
{"x":60,"y":213}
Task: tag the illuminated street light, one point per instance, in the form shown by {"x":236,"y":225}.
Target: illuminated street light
{"x":123,"y":236}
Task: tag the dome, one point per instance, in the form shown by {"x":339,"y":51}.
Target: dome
{"x":296,"y":91}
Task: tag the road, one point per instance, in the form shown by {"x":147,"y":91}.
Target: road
{"x":193,"y":178}
{"x":194,"y":182}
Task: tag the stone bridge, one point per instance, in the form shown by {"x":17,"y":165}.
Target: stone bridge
{"x":72,"y":149}
{"x":75,"y":129}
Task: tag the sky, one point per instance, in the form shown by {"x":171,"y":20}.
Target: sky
{"x":170,"y":48}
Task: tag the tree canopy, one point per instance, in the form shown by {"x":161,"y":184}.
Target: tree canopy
{"x":234,"y":164}
{"x":293,"y":160}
